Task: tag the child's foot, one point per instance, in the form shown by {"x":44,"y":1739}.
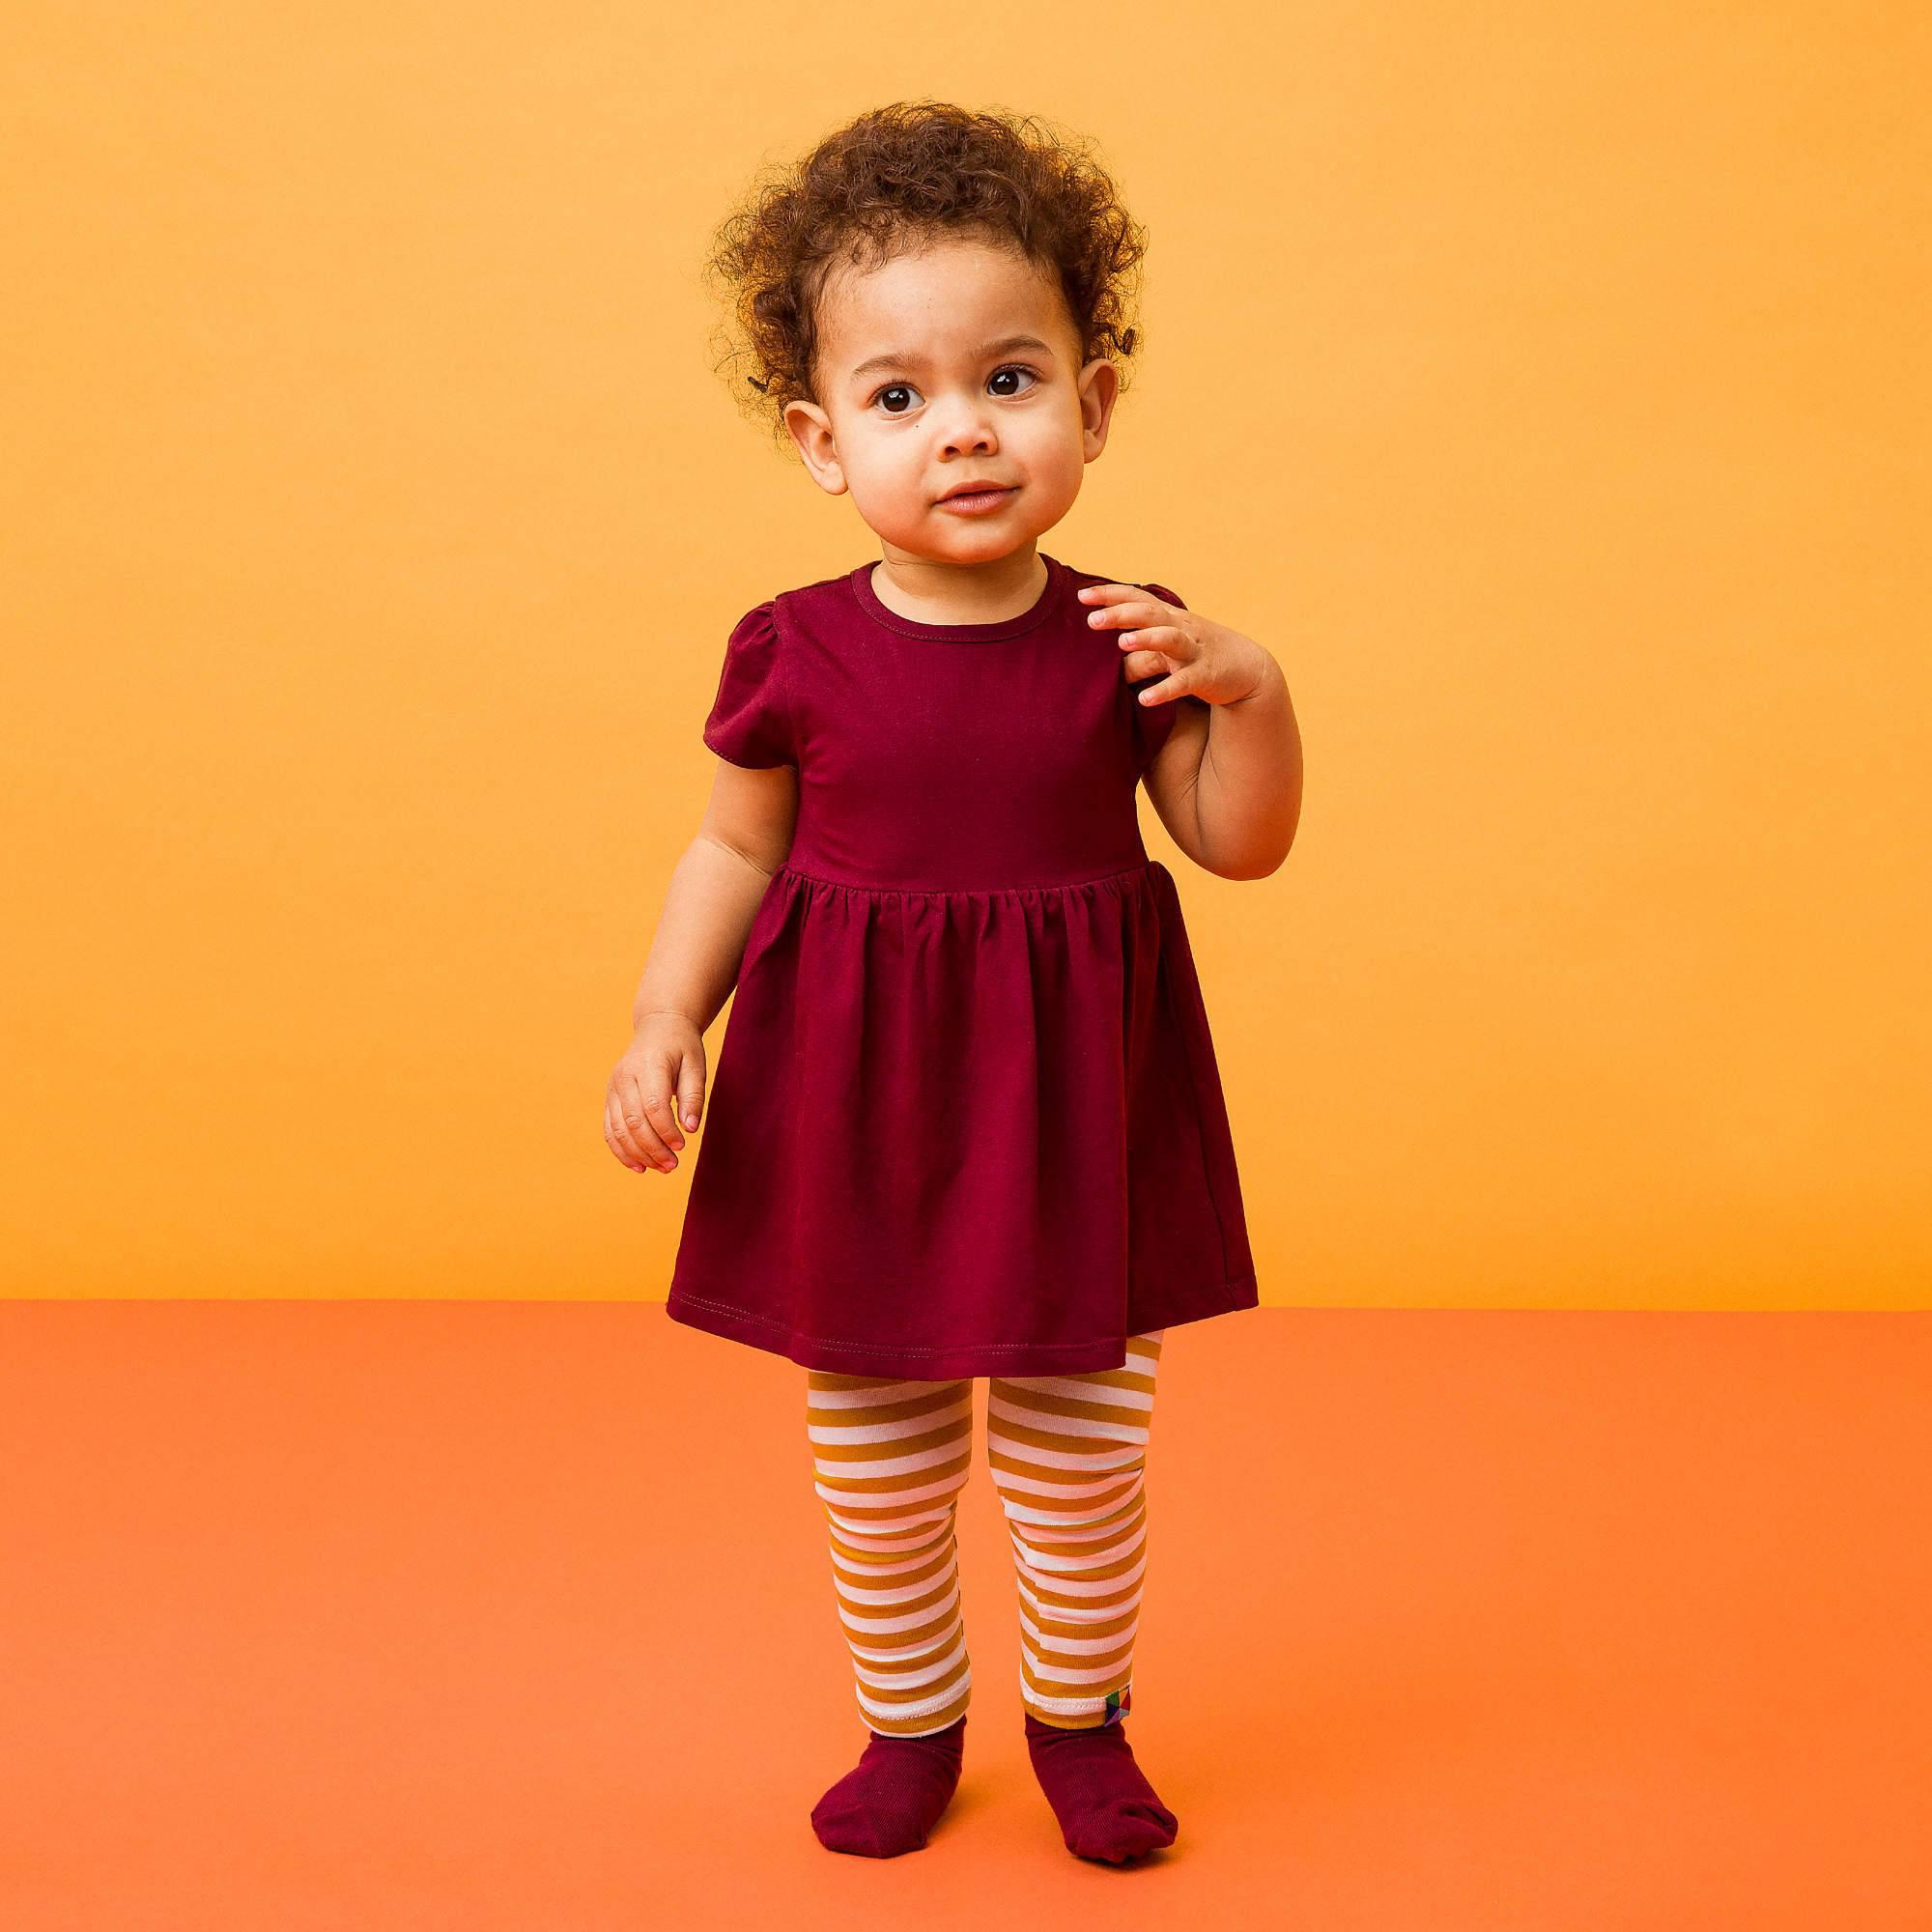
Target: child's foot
{"x":892,"y":1797}
{"x":1106,"y":1809}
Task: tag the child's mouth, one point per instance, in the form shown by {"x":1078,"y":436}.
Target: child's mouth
{"x":971,"y":500}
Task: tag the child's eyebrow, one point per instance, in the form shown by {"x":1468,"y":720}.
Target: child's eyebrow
{"x":895,"y":358}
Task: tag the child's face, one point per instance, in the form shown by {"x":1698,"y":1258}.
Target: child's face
{"x":921,"y":389}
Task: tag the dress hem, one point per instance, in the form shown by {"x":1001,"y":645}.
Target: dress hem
{"x":951,"y":1363}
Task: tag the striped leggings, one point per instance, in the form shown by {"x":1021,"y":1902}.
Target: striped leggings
{"x":1068,"y":1455}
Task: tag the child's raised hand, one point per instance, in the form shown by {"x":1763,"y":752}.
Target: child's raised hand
{"x":656,"y":1089}
{"x":1202,"y":659}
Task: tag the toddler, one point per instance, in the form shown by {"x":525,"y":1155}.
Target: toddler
{"x":967,"y":1119}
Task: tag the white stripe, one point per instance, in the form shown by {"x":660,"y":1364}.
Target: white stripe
{"x":1085,"y":1448}
{"x":1061,"y":1675}
{"x":894,"y":1465}
{"x":887,"y":1626}
{"x":881,"y":1432}
{"x":1086,"y":1644}
{"x":898,"y":1712}
{"x":912,"y":1493}
{"x":1072,"y":1613}
{"x":888,"y":1680}
{"x":844,"y":1567}
{"x":1066,"y":1582}
{"x":998,"y":1404}
{"x":1033,"y":1472}
{"x":872,"y":1398}
{"x":1047,"y":1519}
{"x":903,"y":1593}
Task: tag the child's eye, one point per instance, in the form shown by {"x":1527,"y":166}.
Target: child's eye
{"x":907,"y":389}
{"x":1013,"y":369}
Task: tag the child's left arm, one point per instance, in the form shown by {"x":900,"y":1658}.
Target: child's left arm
{"x":1227,"y":781}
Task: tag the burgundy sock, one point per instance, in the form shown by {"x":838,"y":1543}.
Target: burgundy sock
{"x":1106,"y":1809}
{"x":892,"y":1797}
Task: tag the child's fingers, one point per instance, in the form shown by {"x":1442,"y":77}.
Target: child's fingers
{"x":1145,"y":663}
{"x":1162,"y":692}
{"x":1167,"y":640}
{"x":633,"y":1126}
{"x":658,"y":1110}
{"x":617,"y":1136}
{"x":1165,"y":671}
{"x":690,"y":1090}
{"x":1114,"y":605}
{"x":622,"y":1140}
{"x":1107,"y":596}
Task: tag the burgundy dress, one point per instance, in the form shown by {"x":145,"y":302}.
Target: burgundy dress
{"x":966,"y":1118}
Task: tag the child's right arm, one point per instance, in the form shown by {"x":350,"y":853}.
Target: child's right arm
{"x":715,"y":891}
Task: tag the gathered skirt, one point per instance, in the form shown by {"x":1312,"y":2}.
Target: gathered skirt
{"x":963,"y":1132}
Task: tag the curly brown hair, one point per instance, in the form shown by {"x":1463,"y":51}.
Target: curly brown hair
{"x":889,"y":182}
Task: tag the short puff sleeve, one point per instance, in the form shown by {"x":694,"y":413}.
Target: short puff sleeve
{"x":1153,"y":721}
{"x":750,"y":723}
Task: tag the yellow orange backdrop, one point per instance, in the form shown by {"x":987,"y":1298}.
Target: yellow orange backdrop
{"x":1545,"y":388}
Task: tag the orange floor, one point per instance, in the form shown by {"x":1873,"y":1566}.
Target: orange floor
{"x":369,"y":1615}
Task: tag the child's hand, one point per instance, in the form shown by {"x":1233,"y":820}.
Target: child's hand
{"x":1202,"y":659}
{"x":656,"y":1089}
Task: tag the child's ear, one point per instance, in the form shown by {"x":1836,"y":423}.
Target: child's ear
{"x":1099,"y":387}
{"x":811,"y":430}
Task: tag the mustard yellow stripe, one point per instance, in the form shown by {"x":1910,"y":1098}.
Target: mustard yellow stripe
{"x":1067,"y":1455}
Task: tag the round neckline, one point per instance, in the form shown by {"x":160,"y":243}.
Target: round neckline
{"x":1042,"y":607}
